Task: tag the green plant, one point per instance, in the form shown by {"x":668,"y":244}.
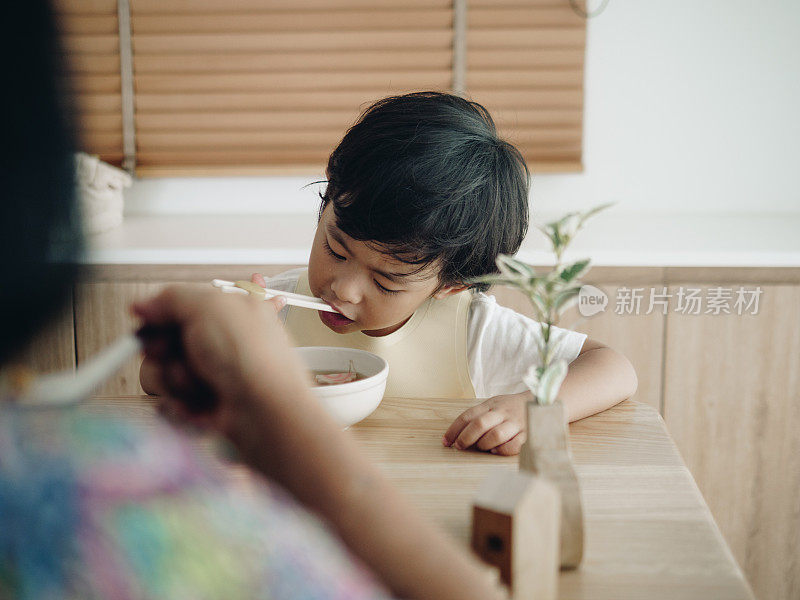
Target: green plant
{"x":551,"y":293}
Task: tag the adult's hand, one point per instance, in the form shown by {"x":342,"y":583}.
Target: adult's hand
{"x":232,"y":349}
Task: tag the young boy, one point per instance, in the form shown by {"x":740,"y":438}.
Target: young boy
{"x":422,"y":195}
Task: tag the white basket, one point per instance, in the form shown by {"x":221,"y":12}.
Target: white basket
{"x":100,"y":188}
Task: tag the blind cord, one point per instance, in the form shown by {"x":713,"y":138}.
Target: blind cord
{"x":126,"y":91}
{"x":460,"y":47}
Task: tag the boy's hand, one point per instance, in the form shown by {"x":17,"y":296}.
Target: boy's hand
{"x":496,"y":425}
{"x":258,"y":279}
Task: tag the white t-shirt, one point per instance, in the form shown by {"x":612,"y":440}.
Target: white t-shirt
{"x":501,"y":343}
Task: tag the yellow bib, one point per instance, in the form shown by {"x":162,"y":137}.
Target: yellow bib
{"x":427,"y":356}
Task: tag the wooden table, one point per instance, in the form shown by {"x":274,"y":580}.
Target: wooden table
{"x":649,"y":533}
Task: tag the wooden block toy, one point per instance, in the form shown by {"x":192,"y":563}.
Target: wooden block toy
{"x":515,"y":527}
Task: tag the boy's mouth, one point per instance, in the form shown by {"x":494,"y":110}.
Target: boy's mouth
{"x":334,"y":320}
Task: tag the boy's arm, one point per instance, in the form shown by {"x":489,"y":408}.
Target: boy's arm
{"x":598,"y":378}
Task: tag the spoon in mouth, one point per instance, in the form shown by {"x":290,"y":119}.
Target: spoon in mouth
{"x":253,"y":289}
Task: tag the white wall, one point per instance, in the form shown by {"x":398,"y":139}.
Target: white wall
{"x":690,"y":106}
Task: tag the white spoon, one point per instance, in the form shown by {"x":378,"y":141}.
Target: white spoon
{"x":253,"y":289}
{"x":70,"y":387}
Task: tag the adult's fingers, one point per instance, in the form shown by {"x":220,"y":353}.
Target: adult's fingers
{"x":176,"y":304}
{"x":182,"y":384}
{"x":150,"y":377}
{"x":512,"y":446}
{"x":498,"y":435}
{"x":172,"y":377}
{"x":461,"y":421}
{"x":477,"y":427}
{"x":258,"y":279}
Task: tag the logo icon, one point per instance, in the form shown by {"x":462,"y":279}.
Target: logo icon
{"x":591,"y":300}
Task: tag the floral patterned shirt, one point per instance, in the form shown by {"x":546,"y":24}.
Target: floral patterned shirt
{"x":106,"y":508}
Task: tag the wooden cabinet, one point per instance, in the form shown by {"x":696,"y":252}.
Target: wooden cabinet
{"x":728,"y":386}
{"x":102,"y":314}
{"x":732,"y":404}
{"x":53,"y":349}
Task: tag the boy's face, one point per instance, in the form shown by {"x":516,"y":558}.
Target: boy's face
{"x":374,"y":292}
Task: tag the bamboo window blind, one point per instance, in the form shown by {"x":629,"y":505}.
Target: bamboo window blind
{"x":90,"y":37}
{"x":255,"y":86}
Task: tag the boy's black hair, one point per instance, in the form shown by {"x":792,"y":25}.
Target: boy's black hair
{"x":425,"y":178}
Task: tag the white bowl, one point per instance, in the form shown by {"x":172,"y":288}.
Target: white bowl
{"x":348,"y":403}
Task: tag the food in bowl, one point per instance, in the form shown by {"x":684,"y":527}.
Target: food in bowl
{"x":324,"y":378}
{"x":351,"y":401}
{"x":336,"y":378}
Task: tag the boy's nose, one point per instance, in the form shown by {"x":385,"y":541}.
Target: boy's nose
{"x":347,"y":288}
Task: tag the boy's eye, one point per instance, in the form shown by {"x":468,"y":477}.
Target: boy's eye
{"x":330,"y":251}
{"x":384,"y":290}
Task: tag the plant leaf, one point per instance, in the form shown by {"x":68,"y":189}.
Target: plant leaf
{"x":569,"y":226}
{"x":531,"y":379}
{"x":553,"y":233}
{"x":550,"y":382}
{"x":551,"y":293}
{"x":562,"y":231}
{"x":575,"y":270}
{"x":592,"y":212}
{"x":556,"y":347}
{"x":566,"y":298}
{"x":510,"y":265}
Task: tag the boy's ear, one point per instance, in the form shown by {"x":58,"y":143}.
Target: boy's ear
{"x":449,"y":290}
